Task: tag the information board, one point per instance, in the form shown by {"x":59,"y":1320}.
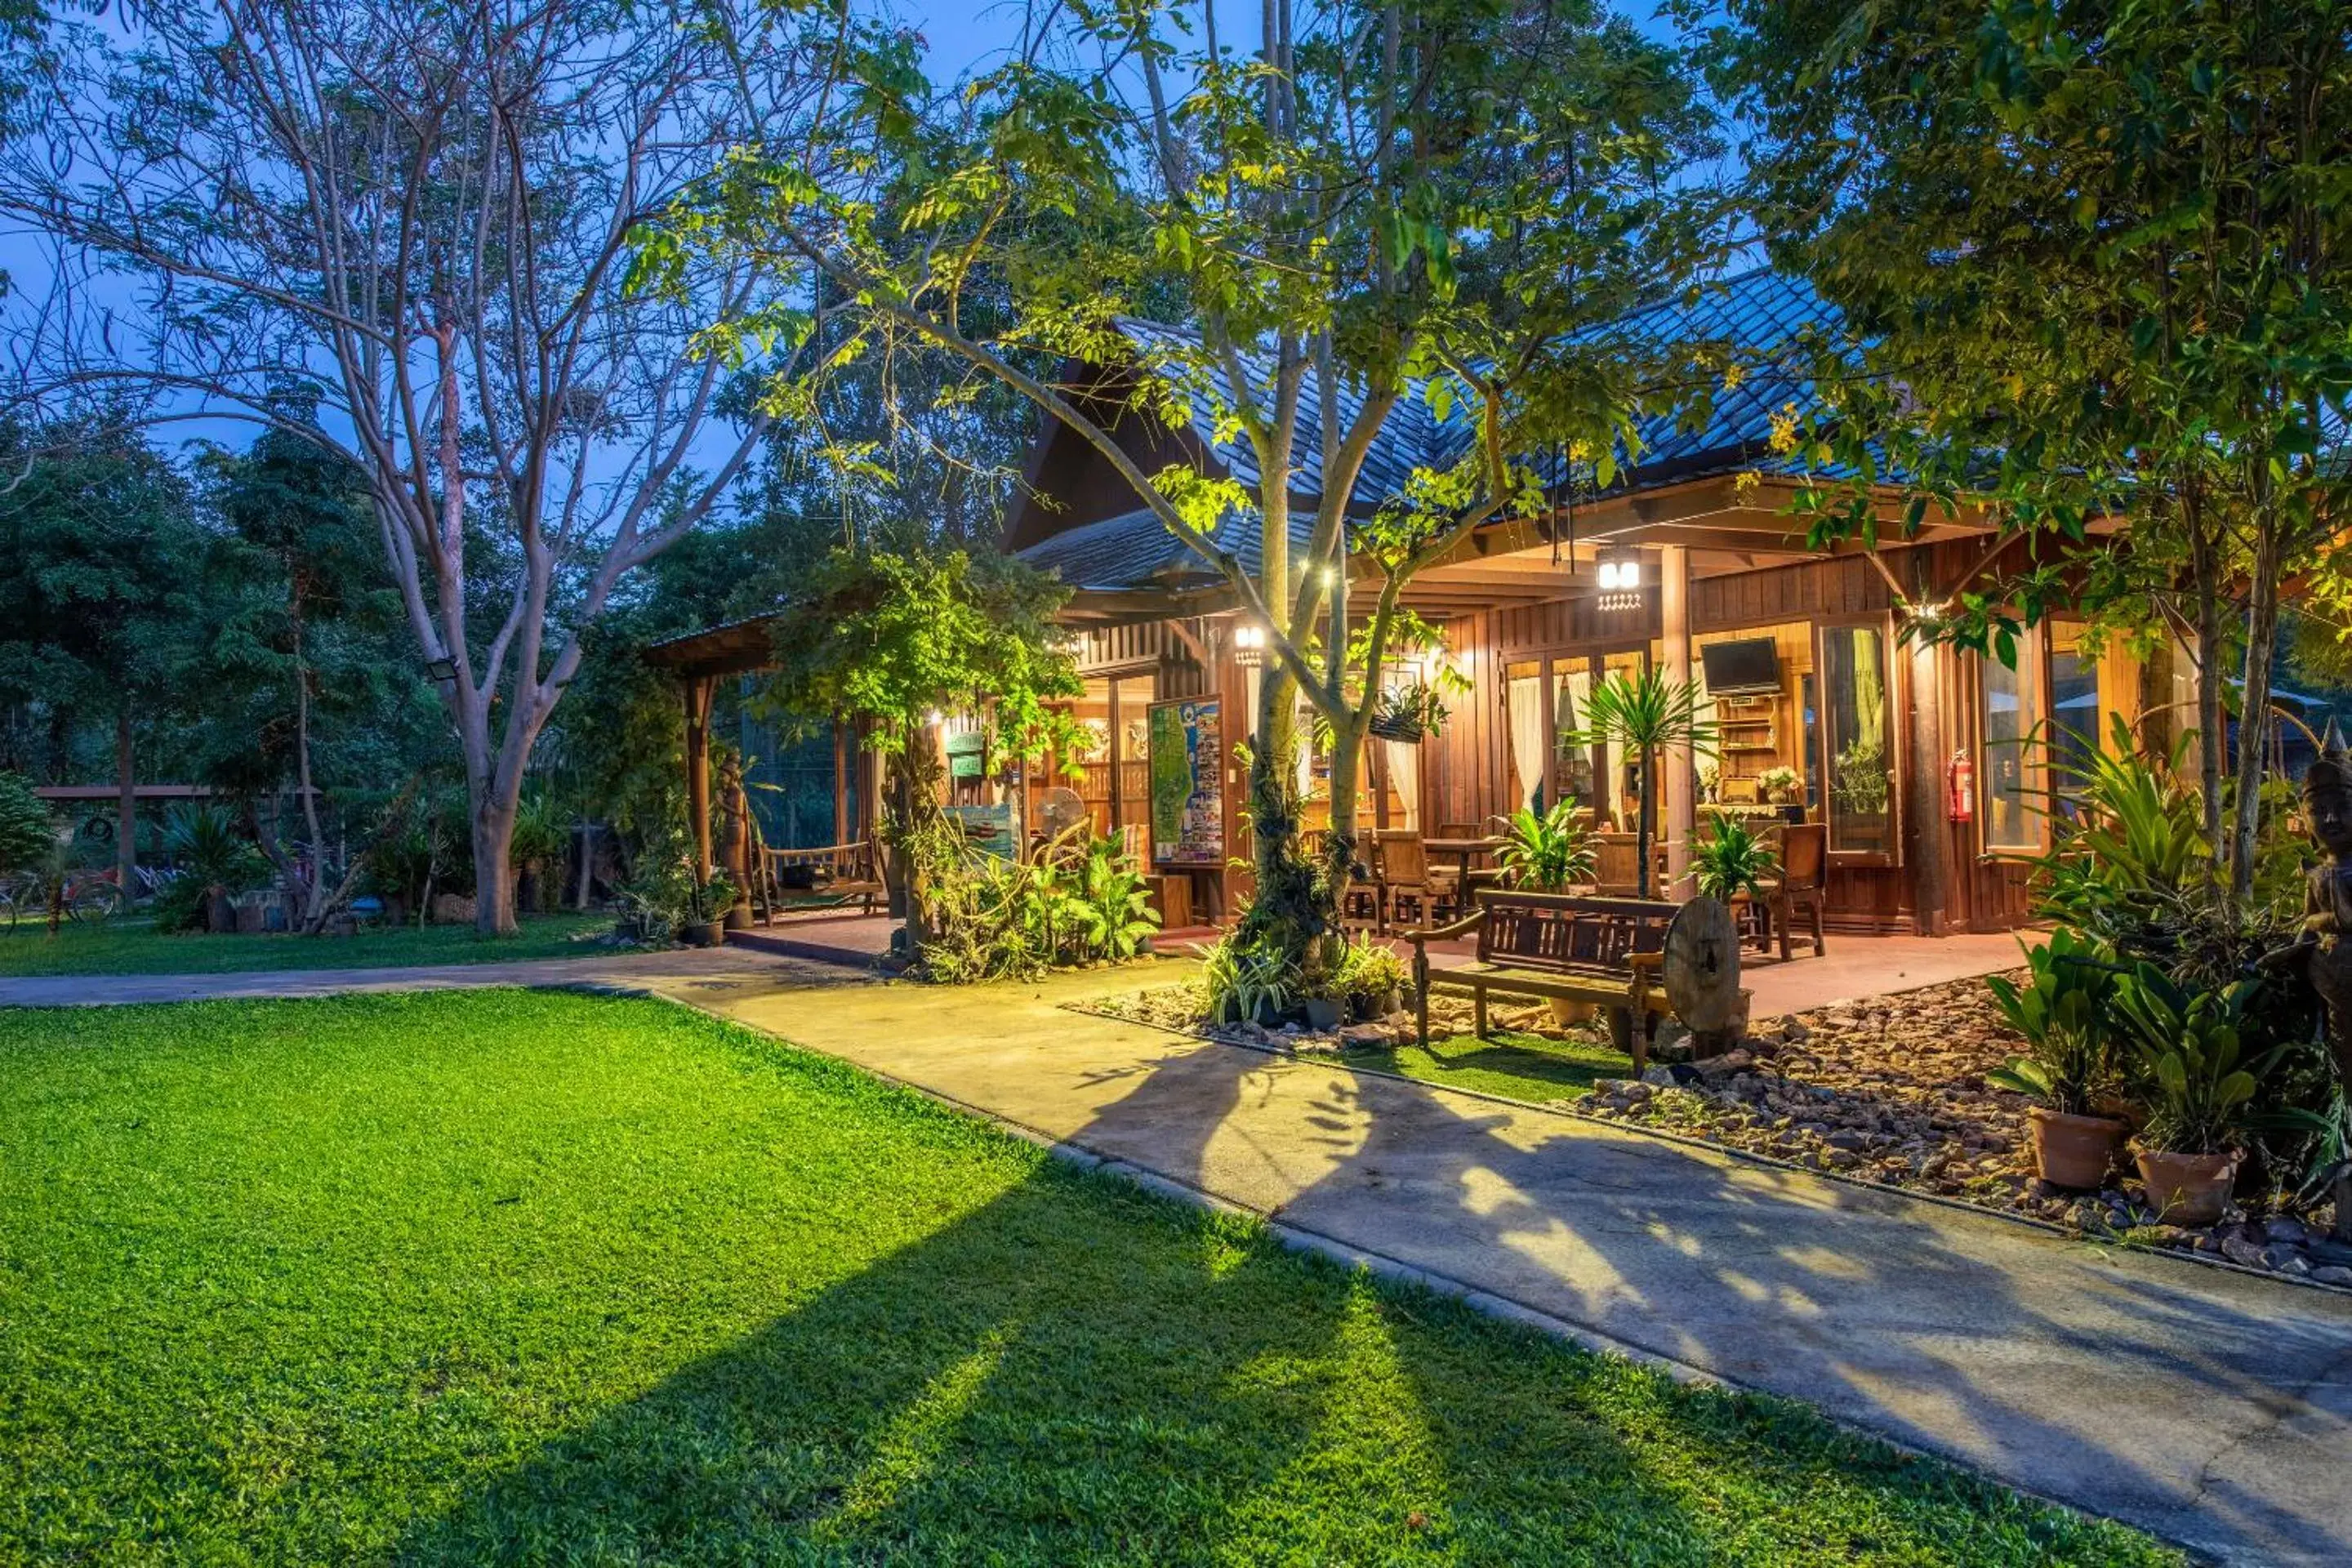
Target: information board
{"x":1188,"y":783}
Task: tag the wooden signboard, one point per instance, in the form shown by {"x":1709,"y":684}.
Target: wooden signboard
{"x":1188,"y":783}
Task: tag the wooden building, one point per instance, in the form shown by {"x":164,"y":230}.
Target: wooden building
{"x":1930,"y":767}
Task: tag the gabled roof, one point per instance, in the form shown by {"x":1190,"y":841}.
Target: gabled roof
{"x":1761,"y":316}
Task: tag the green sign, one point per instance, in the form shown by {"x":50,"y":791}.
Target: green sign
{"x":1188,"y":783}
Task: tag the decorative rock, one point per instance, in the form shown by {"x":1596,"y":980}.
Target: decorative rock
{"x":2334,"y":1274}
{"x":2239,"y":1250}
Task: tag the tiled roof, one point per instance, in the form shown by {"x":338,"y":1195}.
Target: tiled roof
{"x":1759,"y":316}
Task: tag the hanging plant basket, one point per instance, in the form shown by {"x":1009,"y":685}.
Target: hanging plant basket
{"x":1408,"y":714}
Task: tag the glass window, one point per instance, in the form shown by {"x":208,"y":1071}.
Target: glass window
{"x":1523,"y":693}
{"x":1861,"y":767}
{"x":1571,"y":686}
{"x":2073,"y":721}
{"x":2012,"y":769}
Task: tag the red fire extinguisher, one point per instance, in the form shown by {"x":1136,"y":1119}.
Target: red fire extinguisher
{"x":1961,"y":796}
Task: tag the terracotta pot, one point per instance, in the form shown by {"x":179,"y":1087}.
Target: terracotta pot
{"x":2188,"y":1189}
{"x":2073,"y":1151}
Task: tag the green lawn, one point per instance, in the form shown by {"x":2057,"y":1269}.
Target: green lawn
{"x":1517,"y":1066}
{"x":137,"y":948}
{"x":526,"y":1277}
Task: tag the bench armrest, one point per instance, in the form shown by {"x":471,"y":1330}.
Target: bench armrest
{"x":1646,"y":961}
{"x":1462,"y":927}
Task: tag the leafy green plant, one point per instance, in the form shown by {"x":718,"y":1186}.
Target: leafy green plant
{"x":212,"y":854}
{"x":1544,"y":854}
{"x":2063,"y":1012}
{"x":1409,"y":713}
{"x":1645,"y":714}
{"x":2137,"y":838}
{"x":1110,"y":911}
{"x":2193,"y":1076}
{"x":1733,"y":859}
{"x":1859,"y":779}
{"x":1368,"y":973}
{"x":27,"y":831}
{"x":1247,"y":982}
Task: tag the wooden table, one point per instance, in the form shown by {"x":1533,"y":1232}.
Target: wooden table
{"x":1463,"y":851}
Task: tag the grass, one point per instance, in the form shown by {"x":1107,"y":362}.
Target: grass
{"x":136,"y":947}
{"x":1517,"y":1066}
{"x":522,"y":1277}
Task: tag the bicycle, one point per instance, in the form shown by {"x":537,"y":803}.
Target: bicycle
{"x":86,"y":898}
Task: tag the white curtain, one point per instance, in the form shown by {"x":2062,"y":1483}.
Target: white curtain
{"x":1404,"y":776}
{"x":1526,"y":712}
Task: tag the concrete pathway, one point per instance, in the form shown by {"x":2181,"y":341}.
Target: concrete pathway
{"x":620,"y":969}
{"x":2211,"y":1407}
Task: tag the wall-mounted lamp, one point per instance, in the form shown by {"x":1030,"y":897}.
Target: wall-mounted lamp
{"x":1619,"y":573}
{"x":1249,"y":644}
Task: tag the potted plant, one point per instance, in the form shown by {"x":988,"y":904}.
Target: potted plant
{"x":1732,"y":859}
{"x":2196,"y":1090}
{"x":1547,"y":854}
{"x":1408,"y":712}
{"x":2062,"y":1012}
{"x":1371,"y":978}
{"x":707,"y":903}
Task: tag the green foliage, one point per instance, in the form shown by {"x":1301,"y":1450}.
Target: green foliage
{"x":2063,"y":1013}
{"x":1732,"y":858}
{"x":212,"y":853}
{"x":543,"y":830}
{"x":1545,"y":854}
{"x":1368,"y":974}
{"x":2136,"y":839}
{"x":1077,"y":900}
{"x":27,"y":831}
{"x":1644,"y":713}
{"x":2187,"y":1049}
{"x":1246,"y":981}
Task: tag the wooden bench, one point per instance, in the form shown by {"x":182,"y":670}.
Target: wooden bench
{"x":1609,"y":951}
{"x":835,"y":874}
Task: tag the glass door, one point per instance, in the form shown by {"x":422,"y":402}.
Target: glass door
{"x":1859,"y":735}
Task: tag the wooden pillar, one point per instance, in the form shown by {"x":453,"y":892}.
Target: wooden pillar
{"x":699,"y":690}
{"x":1931,"y":877}
{"x":844,"y":828}
{"x":1679,"y":813}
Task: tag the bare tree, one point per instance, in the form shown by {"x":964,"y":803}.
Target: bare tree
{"x":429,"y":215}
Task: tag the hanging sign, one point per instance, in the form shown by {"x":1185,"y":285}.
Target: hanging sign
{"x":1188,"y":783}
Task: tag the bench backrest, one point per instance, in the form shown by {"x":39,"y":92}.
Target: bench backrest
{"x":1565,"y":931}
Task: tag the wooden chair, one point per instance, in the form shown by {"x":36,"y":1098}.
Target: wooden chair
{"x":1617,"y":865}
{"x":1802,"y":884}
{"x":1461,"y":830}
{"x":1404,"y":879}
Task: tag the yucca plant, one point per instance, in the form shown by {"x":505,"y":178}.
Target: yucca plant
{"x":1645,"y":714}
{"x":1732,"y":859}
{"x":1544,"y":854}
{"x":2063,"y":1012}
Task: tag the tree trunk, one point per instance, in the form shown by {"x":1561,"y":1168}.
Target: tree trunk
{"x":1646,"y":824}
{"x":493,"y":836}
{"x":126,"y":811}
{"x":2254,"y":729}
{"x":2212,"y":731}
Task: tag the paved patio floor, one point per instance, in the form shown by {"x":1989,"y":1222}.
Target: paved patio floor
{"x":2211,"y":1407}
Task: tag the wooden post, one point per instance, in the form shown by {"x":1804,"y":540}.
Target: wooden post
{"x":697,"y":771}
{"x":843,"y":829}
{"x":1930,"y":847}
{"x":1675,"y":776}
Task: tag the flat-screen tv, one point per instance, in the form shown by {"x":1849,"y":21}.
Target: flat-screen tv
{"x":1752,"y":663}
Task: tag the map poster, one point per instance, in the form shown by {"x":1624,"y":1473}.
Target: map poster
{"x":1188,"y":783}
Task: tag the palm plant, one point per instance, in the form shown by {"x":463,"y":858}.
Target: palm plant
{"x":1644,"y":714}
{"x":1544,"y":854}
{"x":1734,"y":859}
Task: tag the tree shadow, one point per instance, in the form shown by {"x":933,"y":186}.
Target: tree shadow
{"x":1075,"y":1369}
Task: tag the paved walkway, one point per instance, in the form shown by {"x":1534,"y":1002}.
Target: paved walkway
{"x":620,"y":969}
{"x":2211,"y":1407}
